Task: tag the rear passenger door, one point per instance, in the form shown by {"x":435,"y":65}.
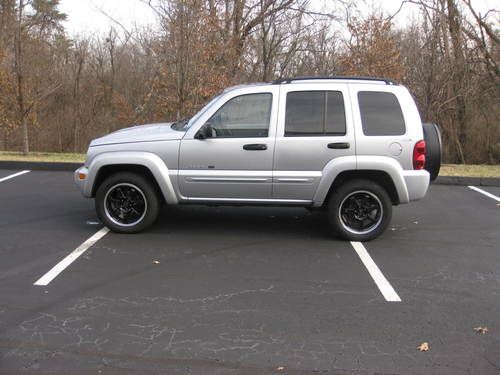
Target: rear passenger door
{"x":314,"y":127}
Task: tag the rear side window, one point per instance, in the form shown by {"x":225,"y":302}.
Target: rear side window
{"x":380,"y":113}
{"x":314,"y":113}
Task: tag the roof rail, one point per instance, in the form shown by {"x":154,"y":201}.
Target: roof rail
{"x":349,"y":78}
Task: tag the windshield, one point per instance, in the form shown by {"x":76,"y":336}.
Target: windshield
{"x":185,"y":124}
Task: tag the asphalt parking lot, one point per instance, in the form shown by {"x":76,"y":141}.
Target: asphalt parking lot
{"x":238,"y":290}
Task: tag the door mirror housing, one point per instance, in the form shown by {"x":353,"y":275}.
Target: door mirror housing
{"x":204,"y":132}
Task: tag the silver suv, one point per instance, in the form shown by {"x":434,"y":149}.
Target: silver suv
{"x":352,"y":146}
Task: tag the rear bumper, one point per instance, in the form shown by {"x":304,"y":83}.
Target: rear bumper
{"x":417,"y":183}
{"x":81,"y":177}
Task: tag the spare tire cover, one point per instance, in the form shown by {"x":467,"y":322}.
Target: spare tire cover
{"x":432,"y":137}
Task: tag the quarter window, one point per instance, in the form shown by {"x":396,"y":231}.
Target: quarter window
{"x":380,"y":113}
{"x":244,"y":116}
{"x":314,"y":113}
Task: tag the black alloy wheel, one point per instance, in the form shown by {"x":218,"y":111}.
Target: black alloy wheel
{"x":127,"y":202}
{"x":359,"y":210}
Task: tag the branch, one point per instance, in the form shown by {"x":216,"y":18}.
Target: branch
{"x":128,"y":34}
{"x":41,"y":97}
{"x":481,"y":22}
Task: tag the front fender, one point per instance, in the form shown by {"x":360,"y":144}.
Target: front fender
{"x":151,"y":161}
{"x":351,"y":163}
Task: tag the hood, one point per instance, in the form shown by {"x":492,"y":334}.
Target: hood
{"x":140,"y":133}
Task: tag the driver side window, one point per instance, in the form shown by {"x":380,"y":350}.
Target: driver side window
{"x":244,"y":116}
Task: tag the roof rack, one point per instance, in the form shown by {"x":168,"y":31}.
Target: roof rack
{"x":350,"y":78}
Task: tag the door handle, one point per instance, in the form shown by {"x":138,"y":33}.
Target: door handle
{"x":255,"y":147}
{"x":339,"y":145}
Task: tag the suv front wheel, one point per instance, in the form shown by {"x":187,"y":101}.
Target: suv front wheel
{"x":359,"y":210}
{"x":126,"y":203}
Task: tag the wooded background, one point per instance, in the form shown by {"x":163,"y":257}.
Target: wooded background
{"x":57,"y":91}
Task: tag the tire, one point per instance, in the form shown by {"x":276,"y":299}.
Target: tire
{"x":344,"y":210}
{"x":432,"y":137}
{"x":127,"y":203}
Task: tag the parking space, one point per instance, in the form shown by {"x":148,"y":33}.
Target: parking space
{"x":222,"y":290}
{"x":491,"y":192}
{"x":6,"y":175}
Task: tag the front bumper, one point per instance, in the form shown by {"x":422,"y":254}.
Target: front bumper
{"x":81,"y":177}
{"x":417,"y":183}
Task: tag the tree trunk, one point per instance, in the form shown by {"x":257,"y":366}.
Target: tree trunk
{"x":26,"y":143}
{"x":459,"y":77}
{"x":18,"y":60}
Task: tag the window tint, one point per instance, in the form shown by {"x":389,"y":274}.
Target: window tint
{"x":380,"y":113}
{"x":313,"y":113}
{"x":304,"y":113}
{"x":335,"y":113}
{"x":243,"y":117}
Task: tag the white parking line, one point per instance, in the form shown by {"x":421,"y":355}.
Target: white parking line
{"x":13,"y":175}
{"x":385,"y":288}
{"x":492,"y":196}
{"x":59,"y":267}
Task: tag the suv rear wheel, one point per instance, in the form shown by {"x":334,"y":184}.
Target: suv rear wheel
{"x":127,"y":203}
{"x":359,"y":210}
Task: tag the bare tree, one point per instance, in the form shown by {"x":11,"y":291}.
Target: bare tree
{"x":57,"y":93}
{"x":42,"y":19}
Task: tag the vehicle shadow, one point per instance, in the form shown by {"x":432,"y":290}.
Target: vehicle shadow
{"x":244,"y":221}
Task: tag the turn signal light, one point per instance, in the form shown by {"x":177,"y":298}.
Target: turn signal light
{"x":82,"y":176}
{"x":419,"y":155}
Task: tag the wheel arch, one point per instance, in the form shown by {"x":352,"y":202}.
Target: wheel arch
{"x":108,"y":170}
{"x":143,"y":163}
{"x":380,"y":177}
{"x":383,"y":170}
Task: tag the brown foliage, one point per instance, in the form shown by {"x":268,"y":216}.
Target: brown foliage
{"x":76,"y":90}
{"x":372,"y":49}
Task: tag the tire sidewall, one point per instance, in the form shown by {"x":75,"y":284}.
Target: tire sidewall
{"x":147,"y":189}
{"x":348,"y":188}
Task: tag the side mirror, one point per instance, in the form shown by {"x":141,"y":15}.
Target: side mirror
{"x":204,"y":132}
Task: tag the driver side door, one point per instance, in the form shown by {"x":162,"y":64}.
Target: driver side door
{"x":235,"y":163}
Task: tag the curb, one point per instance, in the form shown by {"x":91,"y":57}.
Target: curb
{"x":39,"y":166}
{"x":466,"y":181}
{"x":50,"y":166}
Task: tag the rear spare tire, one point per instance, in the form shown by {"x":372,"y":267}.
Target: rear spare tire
{"x":432,"y":137}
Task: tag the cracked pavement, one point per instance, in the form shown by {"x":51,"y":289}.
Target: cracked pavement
{"x":243,"y":290}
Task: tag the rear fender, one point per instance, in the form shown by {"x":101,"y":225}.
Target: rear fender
{"x":349,"y":163}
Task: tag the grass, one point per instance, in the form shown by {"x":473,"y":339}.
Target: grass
{"x":468,"y":170}
{"x":42,"y":156}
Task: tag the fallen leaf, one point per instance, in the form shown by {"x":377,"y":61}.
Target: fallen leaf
{"x":156,"y":262}
{"x":481,"y":330}
{"x":423,"y":347}
{"x":280,"y":368}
